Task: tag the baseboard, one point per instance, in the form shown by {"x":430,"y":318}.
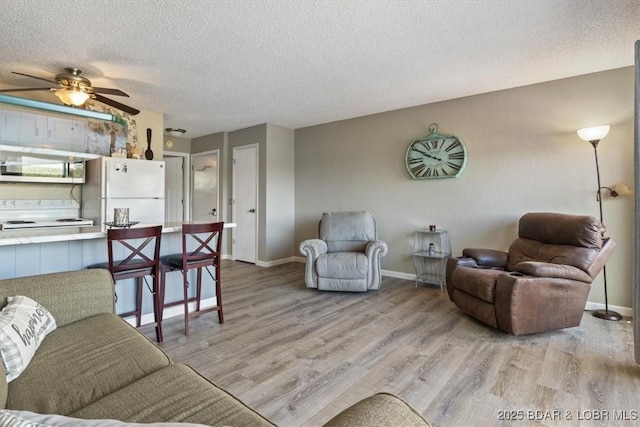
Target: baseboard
{"x":276,"y":262}
{"x":625,"y":311}
{"x":399,"y":275}
{"x":176,"y":310}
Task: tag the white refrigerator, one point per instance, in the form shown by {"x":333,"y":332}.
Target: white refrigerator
{"x":114,"y":182}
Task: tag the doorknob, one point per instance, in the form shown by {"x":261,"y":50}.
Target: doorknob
{"x":252,"y":210}
{"x":213,"y":212}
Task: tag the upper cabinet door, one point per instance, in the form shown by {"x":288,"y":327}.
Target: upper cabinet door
{"x":25,"y":129}
{"x":66,"y":134}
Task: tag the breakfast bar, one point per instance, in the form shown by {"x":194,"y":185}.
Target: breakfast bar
{"x":28,"y":252}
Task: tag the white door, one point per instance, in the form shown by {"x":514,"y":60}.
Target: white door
{"x":245,"y":202}
{"x":204,"y":184}
{"x":174,"y":189}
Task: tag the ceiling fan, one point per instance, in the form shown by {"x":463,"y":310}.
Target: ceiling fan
{"x":74,"y":89}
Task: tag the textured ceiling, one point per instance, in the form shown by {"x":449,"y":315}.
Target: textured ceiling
{"x":214,"y":66}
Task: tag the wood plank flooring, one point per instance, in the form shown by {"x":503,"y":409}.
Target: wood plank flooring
{"x":299,"y":356}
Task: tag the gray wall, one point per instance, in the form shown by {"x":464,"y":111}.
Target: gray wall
{"x":280,"y":195}
{"x":180,"y":145}
{"x":524,"y":155}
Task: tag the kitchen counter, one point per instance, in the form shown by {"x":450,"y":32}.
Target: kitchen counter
{"x":64,"y":234}
{"x":28,"y":252}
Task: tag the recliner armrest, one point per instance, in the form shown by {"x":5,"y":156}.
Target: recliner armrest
{"x":487,"y":258}
{"x":313,"y":248}
{"x":376,"y":246}
{"x":547,"y":269}
{"x":375,"y":250}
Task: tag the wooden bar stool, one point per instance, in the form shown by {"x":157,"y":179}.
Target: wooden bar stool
{"x":207,"y":240}
{"x":137,"y":264}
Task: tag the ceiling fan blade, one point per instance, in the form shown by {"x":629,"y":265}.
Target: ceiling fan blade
{"x":116,"y":104}
{"x":25,"y":89}
{"x":108,"y":91}
{"x":34,"y":77}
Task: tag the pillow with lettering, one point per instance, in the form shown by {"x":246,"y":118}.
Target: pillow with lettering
{"x":23,"y":325}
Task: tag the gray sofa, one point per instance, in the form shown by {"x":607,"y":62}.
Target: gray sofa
{"x":94,"y":366}
{"x":346,"y":255}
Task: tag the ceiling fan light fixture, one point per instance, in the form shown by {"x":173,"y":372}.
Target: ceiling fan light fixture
{"x":72,"y":97}
{"x":175,"y":132}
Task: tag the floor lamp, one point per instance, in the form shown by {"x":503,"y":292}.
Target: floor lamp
{"x":593,"y":135}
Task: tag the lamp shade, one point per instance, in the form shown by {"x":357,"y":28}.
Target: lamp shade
{"x":72,"y":97}
{"x":595,"y":133}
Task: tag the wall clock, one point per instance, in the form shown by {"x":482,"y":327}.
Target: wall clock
{"x":436,"y":156}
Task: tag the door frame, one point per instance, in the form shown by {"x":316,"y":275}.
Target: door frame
{"x":186,"y":181}
{"x":191,"y":176}
{"x":256,"y":146}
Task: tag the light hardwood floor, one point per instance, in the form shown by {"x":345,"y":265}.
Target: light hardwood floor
{"x":299,"y":356}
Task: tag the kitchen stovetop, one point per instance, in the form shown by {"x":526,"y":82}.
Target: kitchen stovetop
{"x":35,"y":214}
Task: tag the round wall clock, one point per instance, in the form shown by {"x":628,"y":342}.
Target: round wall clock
{"x":436,"y":156}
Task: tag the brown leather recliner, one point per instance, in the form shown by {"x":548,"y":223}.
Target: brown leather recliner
{"x":541,"y":284}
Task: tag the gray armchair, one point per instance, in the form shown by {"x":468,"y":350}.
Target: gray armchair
{"x":346,"y":255}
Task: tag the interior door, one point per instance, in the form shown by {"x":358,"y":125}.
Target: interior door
{"x":204,"y":185}
{"x":174,"y":189}
{"x":245,"y":202}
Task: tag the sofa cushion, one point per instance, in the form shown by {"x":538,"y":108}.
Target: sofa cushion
{"x":342,"y":265}
{"x":23,"y":326}
{"x":83,"y":362}
{"x":561,"y":229}
{"x":344,"y":226}
{"x":523,"y":250}
{"x":174,"y":394}
{"x":558,"y":271}
{"x":69,"y":296}
{"x":479,"y":282}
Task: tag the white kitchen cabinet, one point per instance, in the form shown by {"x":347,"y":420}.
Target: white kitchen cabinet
{"x":31,"y":126}
{"x":27,"y":129}
{"x":22,"y":128}
{"x":66,"y":134}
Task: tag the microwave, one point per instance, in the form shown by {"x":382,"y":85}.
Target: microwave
{"x":18,"y":167}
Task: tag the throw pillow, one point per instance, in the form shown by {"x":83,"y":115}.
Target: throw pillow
{"x":14,"y":418}
{"x":23,"y":325}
